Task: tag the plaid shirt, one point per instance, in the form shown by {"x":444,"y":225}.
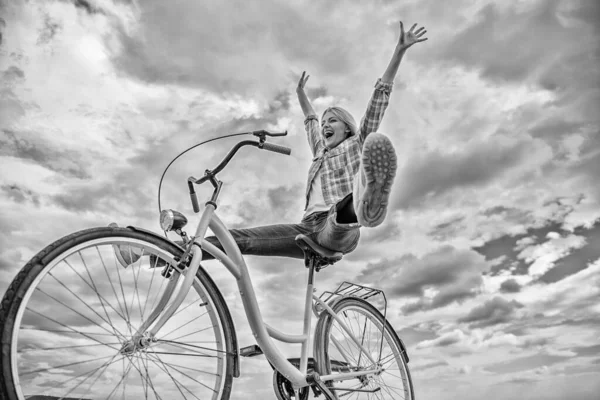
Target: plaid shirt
{"x":341,"y":163}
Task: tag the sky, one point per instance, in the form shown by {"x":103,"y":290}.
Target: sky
{"x":490,"y":253}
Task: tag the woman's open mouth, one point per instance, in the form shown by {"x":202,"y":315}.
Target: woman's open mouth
{"x":328,"y":134}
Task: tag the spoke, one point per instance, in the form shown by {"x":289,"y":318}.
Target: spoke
{"x":197,"y":347}
{"x":115,"y":330}
{"x":65,"y":365}
{"x":123,"y":293}
{"x":96,"y":379}
{"x":68,"y":327}
{"x":175,"y":381}
{"x":111,"y":283}
{"x":186,"y":324}
{"x":189,"y":334}
{"x":189,"y":377}
{"x":362,"y":340}
{"x":62,"y":331}
{"x":150,"y":287}
{"x":345,"y":346}
{"x":91,"y":287}
{"x":181,"y":354}
{"x":192,"y":369}
{"x":182,"y":309}
{"x":125,"y":374}
{"x":103,"y":307}
{"x":148,"y":380}
{"x":89,"y":374}
{"x":67,"y":347}
{"x":191,"y":350}
{"x":144,"y":381}
{"x":135,"y":280}
{"x":72,"y":309}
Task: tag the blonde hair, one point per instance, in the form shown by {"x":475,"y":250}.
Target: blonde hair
{"x":343,"y":116}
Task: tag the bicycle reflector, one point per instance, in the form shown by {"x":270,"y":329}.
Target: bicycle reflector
{"x":171,"y":220}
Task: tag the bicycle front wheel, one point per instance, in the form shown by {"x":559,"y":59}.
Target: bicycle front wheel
{"x":337,"y":353}
{"x":69,"y":317}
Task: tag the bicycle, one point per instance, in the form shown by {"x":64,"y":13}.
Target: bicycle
{"x":76,"y":323}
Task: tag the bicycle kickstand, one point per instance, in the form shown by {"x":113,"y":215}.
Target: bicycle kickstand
{"x":314,"y":379}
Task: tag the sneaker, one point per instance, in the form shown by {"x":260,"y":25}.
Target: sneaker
{"x":374,"y":180}
{"x":126,"y":255}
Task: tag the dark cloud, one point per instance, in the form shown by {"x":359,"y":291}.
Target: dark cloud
{"x":456,"y":274}
{"x":2,"y":26}
{"x":429,"y":365}
{"x":448,"y":229}
{"x":190,"y":44}
{"x":285,"y":198}
{"x":435,"y":173}
{"x":28,"y":146}
{"x":315,"y":93}
{"x":88,"y":6}
{"x":123,"y":196}
{"x":49,"y":30}
{"x":492,"y":312}
{"x":414,"y":334}
{"x":513,"y":54}
{"x":507,"y":249}
{"x":525,"y":363}
{"x":12,"y":73}
{"x":20,"y":195}
{"x":510,"y":286}
{"x":587,"y":351}
{"x":577,"y":260}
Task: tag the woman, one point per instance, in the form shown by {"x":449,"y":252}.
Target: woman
{"x":349,"y":180}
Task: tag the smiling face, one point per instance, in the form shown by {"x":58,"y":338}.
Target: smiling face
{"x":334,"y":131}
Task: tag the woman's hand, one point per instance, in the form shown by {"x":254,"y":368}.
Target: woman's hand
{"x":302,"y":81}
{"x":302,"y":97}
{"x":411,"y":37}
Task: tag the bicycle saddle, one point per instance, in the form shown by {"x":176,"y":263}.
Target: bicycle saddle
{"x":320,"y":254}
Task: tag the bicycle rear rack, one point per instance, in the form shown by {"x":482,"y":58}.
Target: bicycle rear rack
{"x":349,"y":289}
{"x":354,"y":290}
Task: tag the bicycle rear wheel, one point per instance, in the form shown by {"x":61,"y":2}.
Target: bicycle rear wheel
{"x":70,"y":314}
{"x":337,"y":353}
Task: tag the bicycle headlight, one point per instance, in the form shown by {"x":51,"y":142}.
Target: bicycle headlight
{"x":171,"y":220}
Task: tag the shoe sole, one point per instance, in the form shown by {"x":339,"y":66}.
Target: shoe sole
{"x":379,"y":163}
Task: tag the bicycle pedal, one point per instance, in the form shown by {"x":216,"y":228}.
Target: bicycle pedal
{"x":251,"y":351}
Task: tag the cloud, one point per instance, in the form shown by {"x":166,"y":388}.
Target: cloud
{"x":492,"y":312}
{"x":543,"y":256}
{"x":34,"y":147}
{"x":476,"y":164}
{"x":510,"y":286}
{"x":452,"y":275}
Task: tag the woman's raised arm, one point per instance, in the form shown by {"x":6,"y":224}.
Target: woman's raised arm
{"x":302,"y":97}
{"x":404,"y":42}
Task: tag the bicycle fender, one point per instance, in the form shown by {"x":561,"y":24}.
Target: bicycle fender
{"x":229,"y":319}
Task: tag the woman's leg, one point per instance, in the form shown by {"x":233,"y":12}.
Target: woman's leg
{"x":270,"y":240}
{"x":337,"y":235}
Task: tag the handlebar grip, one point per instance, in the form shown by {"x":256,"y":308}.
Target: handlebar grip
{"x":195,"y":205}
{"x":277,"y":149}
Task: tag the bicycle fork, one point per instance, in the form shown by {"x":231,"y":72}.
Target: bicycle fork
{"x":143,"y":336}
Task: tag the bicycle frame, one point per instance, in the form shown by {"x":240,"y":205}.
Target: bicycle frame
{"x":234,"y":262}
{"x":263,"y":333}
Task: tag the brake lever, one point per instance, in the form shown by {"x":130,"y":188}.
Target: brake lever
{"x":262,"y":133}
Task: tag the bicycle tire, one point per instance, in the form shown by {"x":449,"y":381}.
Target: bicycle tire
{"x":33,"y":285}
{"x":329,"y":358}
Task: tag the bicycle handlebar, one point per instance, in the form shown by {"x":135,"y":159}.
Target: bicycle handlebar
{"x":209,"y":175}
